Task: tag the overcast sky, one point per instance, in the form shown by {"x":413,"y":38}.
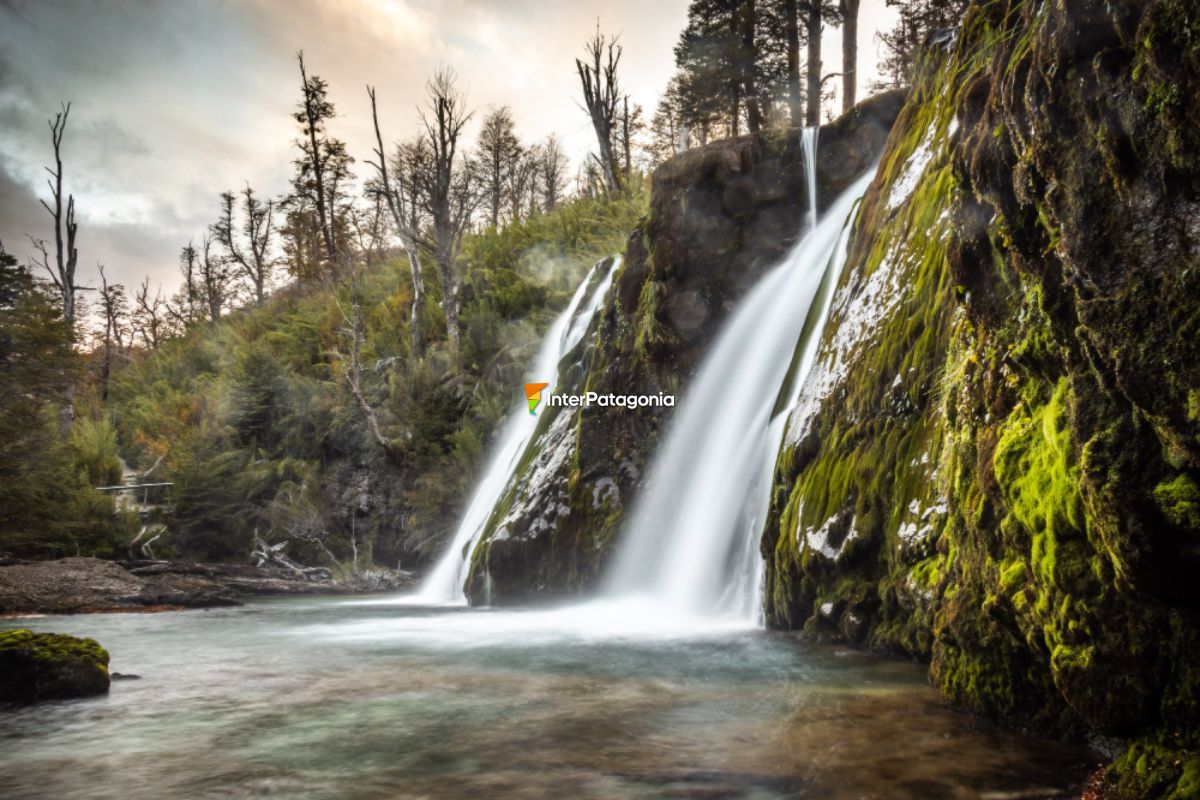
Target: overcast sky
{"x":175,"y":101}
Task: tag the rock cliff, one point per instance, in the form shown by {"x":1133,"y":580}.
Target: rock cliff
{"x":720,"y":215}
{"x":994,"y":465}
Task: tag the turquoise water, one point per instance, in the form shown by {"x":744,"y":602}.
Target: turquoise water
{"x":329,"y":698}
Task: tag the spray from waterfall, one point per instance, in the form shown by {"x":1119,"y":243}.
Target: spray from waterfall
{"x":691,"y":544}
{"x":445,"y":583}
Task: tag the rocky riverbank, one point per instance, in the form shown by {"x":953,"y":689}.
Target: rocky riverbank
{"x":85,"y":585}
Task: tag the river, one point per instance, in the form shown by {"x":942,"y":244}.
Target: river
{"x":336,"y":698}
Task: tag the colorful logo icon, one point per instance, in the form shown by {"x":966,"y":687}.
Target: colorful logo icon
{"x":533,"y":393}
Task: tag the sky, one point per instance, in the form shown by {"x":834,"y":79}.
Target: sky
{"x":176,"y":101}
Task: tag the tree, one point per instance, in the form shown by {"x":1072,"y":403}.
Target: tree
{"x":150,"y":316}
{"x":498,"y":155}
{"x":214,"y":280}
{"x":114,"y":305}
{"x":732,"y":63}
{"x":521,"y":180}
{"x":745,"y":18}
{"x":446,"y":186}
{"x":66,"y":256}
{"x":552,"y":171}
{"x":918,"y":19}
{"x":323,"y":169}
{"x":351,"y":366}
{"x":248,"y":246}
{"x":405,"y":222}
{"x":811,"y":9}
{"x":601,"y":91}
{"x":849,"y":13}
{"x":186,"y":308}
{"x":795,"y":97}
{"x":40,"y":492}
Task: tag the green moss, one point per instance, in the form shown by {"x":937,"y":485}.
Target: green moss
{"x":44,"y":666}
{"x":1165,"y":766}
{"x":1179,"y":500}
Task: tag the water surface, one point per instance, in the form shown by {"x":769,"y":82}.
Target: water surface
{"x":335,"y":698}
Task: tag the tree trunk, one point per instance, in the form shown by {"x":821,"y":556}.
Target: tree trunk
{"x":849,"y":10}
{"x":747,"y":61}
{"x":449,"y":298}
{"x":317,"y":164}
{"x":792,"y":32}
{"x":625,"y":141}
{"x":813,"y":24}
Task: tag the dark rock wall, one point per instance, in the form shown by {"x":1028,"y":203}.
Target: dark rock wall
{"x":720,"y":215}
{"x":995,"y":463}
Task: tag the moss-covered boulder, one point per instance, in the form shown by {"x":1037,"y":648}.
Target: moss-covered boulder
{"x":720,"y":215}
{"x":994,"y":465}
{"x":50,"y":666}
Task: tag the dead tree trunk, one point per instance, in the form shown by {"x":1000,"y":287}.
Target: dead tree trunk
{"x":600,"y":91}
{"x":66,"y":256}
{"x":408,"y":236}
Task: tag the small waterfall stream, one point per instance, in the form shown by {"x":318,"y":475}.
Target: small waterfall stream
{"x":445,"y":583}
{"x":691,"y":543}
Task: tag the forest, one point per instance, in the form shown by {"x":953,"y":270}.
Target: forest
{"x":799,"y":398}
{"x":334,"y":359}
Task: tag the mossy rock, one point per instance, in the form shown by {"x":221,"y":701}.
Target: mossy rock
{"x":50,"y":666}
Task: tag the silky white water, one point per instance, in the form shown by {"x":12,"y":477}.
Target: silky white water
{"x":692,"y":541}
{"x":445,"y":583}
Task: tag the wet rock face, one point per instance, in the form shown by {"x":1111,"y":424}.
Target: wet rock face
{"x":1012,"y":430}
{"x":720,"y":216}
{"x":50,"y":666}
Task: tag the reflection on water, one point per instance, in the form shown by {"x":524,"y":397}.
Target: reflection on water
{"x":331,"y":698}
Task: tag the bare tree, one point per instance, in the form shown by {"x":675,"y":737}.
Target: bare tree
{"x":186,"y":308}
{"x":552,"y":171}
{"x":252,"y":261}
{"x":405,"y":221}
{"x":498,"y":154}
{"x":795,"y":98}
{"x":150,"y":317}
{"x":447,"y":189}
{"x":66,"y":256}
{"x":522,"y":176}
{"x":601,"y":91}
{"x":352,"y":371}
{"x":115,"y":307}
{"x":214,"y":280}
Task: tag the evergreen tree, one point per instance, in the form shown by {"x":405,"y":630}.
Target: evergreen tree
{"x":918,"y":19}
{"x":319,"y":202}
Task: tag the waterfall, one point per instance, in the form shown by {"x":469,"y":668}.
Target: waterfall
{"x":808,"y":148}
{"x":692,"y":542}
{"x":445,"y":583}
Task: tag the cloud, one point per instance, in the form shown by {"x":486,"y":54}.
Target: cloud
{"x":175,"y":102}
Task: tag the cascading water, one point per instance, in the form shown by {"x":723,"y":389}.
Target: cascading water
{"x":691,"y":542}
{"x":808,"y":148}
{"x":445,"y":583}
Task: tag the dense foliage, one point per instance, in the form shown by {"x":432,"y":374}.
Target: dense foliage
{"x":50,"y":454}
{"x":253,"y":421}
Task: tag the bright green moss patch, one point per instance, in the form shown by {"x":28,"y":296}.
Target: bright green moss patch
{"x":1179,"y":500}
{"x":46,"y":666}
